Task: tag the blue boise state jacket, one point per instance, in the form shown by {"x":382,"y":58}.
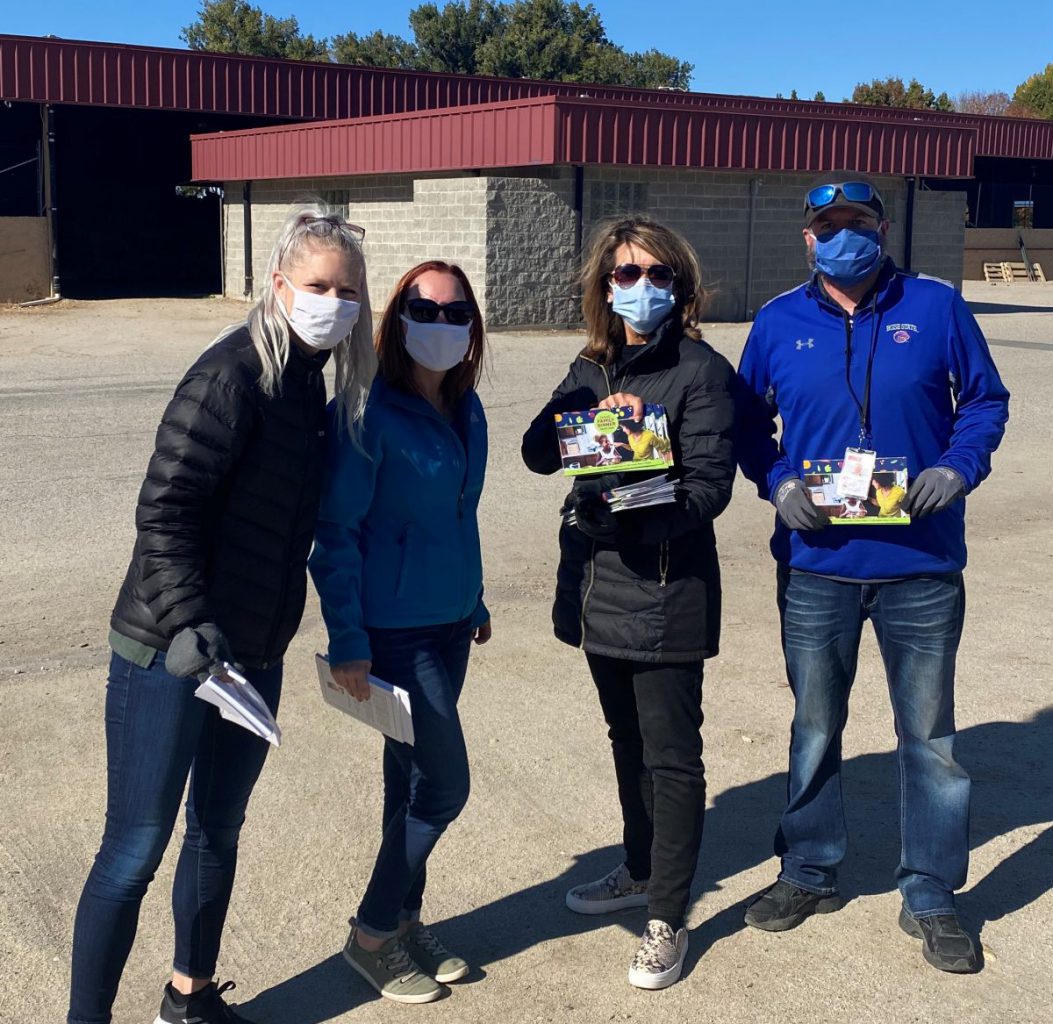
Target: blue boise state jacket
{"x":397,"y":543}
{"x":936,"y":398}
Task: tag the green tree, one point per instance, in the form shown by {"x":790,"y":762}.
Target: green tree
{"x":449,"y":39}
{"x":235,"y":26}
{"x":377,"y":50}
{"x":793,"y":95}
{"x":891,"y":92}
{"x":1036,"y":94}
{"x":819,"y":97}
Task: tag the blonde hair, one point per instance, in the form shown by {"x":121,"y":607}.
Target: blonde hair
{"x":355,"y":359}
{"x":605,"y":330}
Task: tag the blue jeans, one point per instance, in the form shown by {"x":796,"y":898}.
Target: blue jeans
{"x":158,"y":733}
{"x":918,"y":623}
{"x":425,"y":785}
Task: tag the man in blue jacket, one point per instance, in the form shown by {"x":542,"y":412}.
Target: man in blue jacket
{"x":866,"y":362}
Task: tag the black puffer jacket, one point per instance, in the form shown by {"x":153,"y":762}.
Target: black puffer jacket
{"x":653,"y":595}
{"x":227,"y":512}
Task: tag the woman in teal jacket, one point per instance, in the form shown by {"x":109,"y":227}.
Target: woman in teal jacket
{"x":398,"y":569}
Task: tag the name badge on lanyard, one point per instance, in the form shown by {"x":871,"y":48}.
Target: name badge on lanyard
{"x":857,"y":472}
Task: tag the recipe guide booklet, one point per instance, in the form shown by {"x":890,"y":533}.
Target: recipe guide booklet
{"x":610,"y":440}
{"x":888,"y":488}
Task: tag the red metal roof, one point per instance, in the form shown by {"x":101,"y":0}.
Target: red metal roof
{"x":46,"y":70}
{"x":555,"y":130}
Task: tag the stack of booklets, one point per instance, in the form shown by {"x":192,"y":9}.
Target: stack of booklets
{"x":387,"y":710}
{"x":659,"y":490}
{"x":239,"y":702}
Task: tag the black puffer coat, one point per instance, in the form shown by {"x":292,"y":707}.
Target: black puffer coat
{"x":653,"y":595}
{"x":227,"y":512}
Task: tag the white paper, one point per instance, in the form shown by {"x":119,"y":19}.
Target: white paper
{"x":387,"y":710}
{"x":239,"y":702}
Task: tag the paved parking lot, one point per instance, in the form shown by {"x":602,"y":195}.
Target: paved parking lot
{"x":81,"y":388}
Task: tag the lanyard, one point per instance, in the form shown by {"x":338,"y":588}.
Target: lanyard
{"x":862,"y":406}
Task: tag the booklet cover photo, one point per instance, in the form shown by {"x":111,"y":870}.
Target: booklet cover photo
{"x":610,"y":440}
{"x":888,"y":488}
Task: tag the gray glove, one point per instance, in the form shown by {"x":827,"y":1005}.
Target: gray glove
{"x":796,"y":508}
{"x":197,"y":651}
{"x":933,"y":491}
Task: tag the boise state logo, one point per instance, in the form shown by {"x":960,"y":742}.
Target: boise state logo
{"x":901,"y":333}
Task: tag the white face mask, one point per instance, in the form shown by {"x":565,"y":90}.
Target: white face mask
{"x":320,"y":321}
{"x":436,"y":346}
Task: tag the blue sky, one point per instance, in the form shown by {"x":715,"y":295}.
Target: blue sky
{"x":759,"y":48}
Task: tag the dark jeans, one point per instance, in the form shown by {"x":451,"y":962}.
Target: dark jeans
{"x":426,"y":784}
{"x":655,"y":717}
{"x":918,"y":623}
{"x":158,"y":733}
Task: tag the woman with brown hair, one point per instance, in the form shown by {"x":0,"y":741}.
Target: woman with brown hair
{"x":398,"y":569}
{"x":639,"y":591}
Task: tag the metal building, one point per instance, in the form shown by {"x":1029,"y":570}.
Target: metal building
{"x":115,"y":157}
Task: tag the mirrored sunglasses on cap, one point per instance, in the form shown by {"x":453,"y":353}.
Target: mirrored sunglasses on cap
{"x":852,"y":191}
{"x":625,"y":275}
{"x":426,"y":311}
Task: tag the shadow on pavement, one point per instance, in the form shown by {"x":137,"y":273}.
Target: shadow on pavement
{"x":1012,"y":787}
{"x":978,"y":308}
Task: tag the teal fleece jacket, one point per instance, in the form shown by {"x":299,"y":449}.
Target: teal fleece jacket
{"x":397,"y":543}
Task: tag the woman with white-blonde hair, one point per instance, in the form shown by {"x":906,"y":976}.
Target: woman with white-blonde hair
{"x":224,"y":525}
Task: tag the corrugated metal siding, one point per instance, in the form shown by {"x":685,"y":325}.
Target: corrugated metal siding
{"x":503,"y":135}
{"x":549,"y":130}
{"x":103,"y":74}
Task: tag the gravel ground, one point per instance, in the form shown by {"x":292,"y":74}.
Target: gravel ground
{"x":83,"y":385}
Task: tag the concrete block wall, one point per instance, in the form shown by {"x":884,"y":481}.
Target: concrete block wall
{"x":939,"y":235}
{"x":407,"y":221}
{"x":711,"y":210}
{"x":531,"y":258}
{"x":514,"y":231}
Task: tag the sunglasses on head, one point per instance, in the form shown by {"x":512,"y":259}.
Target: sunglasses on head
{"x":426,"y":311}
{"x":853,"y":191}
{"x":625,"y":275}
{"x":323,"y":226}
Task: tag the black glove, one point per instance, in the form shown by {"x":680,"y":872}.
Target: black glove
{"x":593,"y":515}
{"x":932,"y":491}
{"x":796,"y":508}
{"x":197,"y":651}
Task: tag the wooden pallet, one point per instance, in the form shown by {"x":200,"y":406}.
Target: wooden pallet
{"x":1007,"y":272}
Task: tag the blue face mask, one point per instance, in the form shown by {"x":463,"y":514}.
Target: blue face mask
{"x":848,"y":255}
{"x":643,"y":306}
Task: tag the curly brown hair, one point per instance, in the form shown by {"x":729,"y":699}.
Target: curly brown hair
{"x":604,"y":328}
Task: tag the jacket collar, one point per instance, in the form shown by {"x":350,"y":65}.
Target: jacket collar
{"x":391,"y":395}
{"x":666,"y":335}
{"x":876,"y":295}
{"x":301,"y":363}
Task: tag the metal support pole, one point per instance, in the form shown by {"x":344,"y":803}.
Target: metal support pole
{"x":246,"y":210}
{"x":908,"y":240}
{"x":747,"y":309}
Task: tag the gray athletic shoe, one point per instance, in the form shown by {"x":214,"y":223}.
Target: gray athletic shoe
{"x":615,"y":891}
{"x":391,"y":971}
{"x":432,"y":956}
{"x":660,"y":958}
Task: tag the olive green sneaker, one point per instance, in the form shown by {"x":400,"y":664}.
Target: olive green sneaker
{"x":432,"y":956}
{"x":391,"y":971}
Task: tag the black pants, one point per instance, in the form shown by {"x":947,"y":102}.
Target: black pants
{"x":655,"y":718}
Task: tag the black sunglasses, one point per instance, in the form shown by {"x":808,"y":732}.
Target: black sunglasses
{"x":627,"y":274}
{"x":426,"y":311}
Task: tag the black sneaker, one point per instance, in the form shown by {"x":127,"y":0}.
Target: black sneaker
{"x":944,"y":943}
{"x":204,"y":1007}
{"x":785,"y":906}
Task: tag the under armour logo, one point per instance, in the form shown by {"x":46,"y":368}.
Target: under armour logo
{"x":810,"y":343}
